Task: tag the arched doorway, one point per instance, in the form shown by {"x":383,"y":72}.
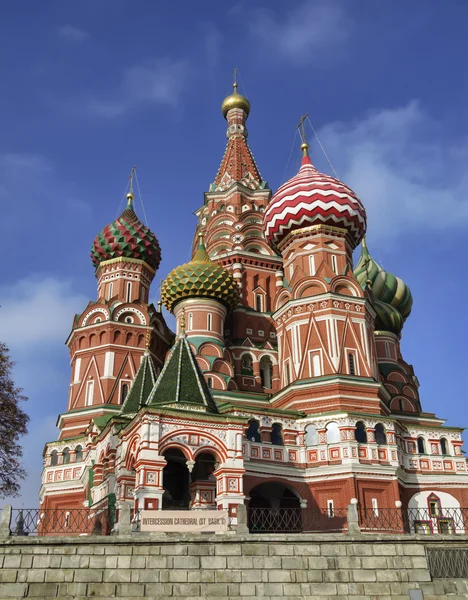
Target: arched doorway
{"x":274,"y":508}
{"x":203,"y":485}
{"x":176,"y":478}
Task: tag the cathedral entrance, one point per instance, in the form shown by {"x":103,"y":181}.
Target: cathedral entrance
{"x":274,"y":508}
{"x":176,"y":481}
{"x":203,"y":486}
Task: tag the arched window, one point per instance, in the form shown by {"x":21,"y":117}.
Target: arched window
{"x":259,"y":302}
{"x":66,"y":456}
{"x":124,"y":393}
{"x":110,"y":290}
{"x":78,"y":454}
{"x":210,"y":322}
{"x":334,"y":263}
{"x":333,"y":433}
{"x":247,"y":365}
{"x":312,"y":438}
{"x":360,"y":433}
{"x":380,"y":435}
{"x":444,"y":446}
{"x":351,"y":364}
{"x":53,"y":458}
{"x":421,"y":445}
{"x":190,"y":322}
{"x":277,"y":434}
{"x":129,"y":291}
{"x":266,"y":372}
{"x":252,"y":433}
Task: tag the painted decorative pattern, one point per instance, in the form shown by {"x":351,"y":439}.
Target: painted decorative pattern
{"x":126,"y":237}
{"x":312,"y":198}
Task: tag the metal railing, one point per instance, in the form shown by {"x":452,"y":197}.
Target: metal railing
{"x":60,"y":521}
{"x":414,"y":520}
{"x":295,"y":520}
{"x":448,"y":563}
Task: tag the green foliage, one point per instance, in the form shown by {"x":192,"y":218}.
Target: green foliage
{"x":13,"y":424}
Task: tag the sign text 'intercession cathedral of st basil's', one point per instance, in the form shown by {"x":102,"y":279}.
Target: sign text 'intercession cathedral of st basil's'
{"x":284,"y":384}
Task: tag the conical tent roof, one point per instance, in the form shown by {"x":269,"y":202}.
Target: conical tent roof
{"x":141,"y":386}
{"x":181,"y":382}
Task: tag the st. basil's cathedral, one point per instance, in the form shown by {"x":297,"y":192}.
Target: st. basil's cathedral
{"x":284,"y":384}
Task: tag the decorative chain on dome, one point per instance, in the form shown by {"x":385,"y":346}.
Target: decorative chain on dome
{"x":200,"y":278}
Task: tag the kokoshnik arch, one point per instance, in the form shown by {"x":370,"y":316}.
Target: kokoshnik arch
{"x":284,"y":384}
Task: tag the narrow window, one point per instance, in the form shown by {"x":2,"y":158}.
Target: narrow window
{"x":210,"y":322}
{"x":312,"y":438}
{"x":124,"y":392}
{"x":434,"y":506}
{"x":333,"y":433}
{"x":421,"y":445}
{"x":210,"y":382}
{"x":380,"y":436}
{"x":110,"y":288}
{"x":351,"y":364}
{"x":259,"y":302}
{"x":190,"y":321}
{"x":360,"y":433}
{"x":316,"y":366}
{"x":402,"y":404}
{"x":252,"y":433}
{"x":312,"y":264}
{"x":287,"y":374}
{"x":276,"y":434}
{"x":66,"y":456}
{"x":78,"y":454}
{"x":291,"y":271}
{"x":89,"y":393}
{"x":375,"y":507}
{"x":53,"y":458}
{"x":334,"y":263}
{"x":129,"y":291}
{"x":77,"y":370}
{"x":443,"y":446}
{"x":330,"y":508}
{"x":387,"y":350}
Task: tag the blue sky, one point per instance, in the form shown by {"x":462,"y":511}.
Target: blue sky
{"x":91,"y":88}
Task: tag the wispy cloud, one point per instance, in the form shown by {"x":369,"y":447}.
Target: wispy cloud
{"x":407,"y":177}
{"x":158,"y":82}
{"x":308,"y":33}
{"x":212,"y":42}
{"x":72,"y":34}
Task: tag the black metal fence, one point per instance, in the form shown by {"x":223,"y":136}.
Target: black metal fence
{"x":294,"y":520}
{"x":448,"y":563}
{"x":414,"y":520}
{"x":60,"y":521}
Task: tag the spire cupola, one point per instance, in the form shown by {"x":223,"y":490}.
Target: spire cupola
{"x":235,"y":100}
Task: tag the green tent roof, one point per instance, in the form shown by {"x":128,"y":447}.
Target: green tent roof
{"x":181,"y":382}
{"x":141,"y":387}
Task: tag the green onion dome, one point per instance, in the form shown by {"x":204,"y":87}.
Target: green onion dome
{"x":126,"y":237}
{"x":388,"y":318}
{"x":200,"y":278}
{"x":385,"y":287}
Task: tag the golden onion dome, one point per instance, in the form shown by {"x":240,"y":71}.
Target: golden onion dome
{"x":200,"y":278}
{"x":235,"y":100}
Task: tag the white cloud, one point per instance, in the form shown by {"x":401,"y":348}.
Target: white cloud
{"x":408,"y":176}
{"x":72,"y":34}
{"x":37,"y":312}
{"x":310,"y":32}
{"x":159,"y":82}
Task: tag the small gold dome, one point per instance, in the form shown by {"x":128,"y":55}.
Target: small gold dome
{"x":235,"y":100}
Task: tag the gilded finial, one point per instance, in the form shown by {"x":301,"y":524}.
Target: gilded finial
{"x":148,"y":340}
{"x":131,"y":195}
{"x":235,"y":100}
{"x":182,"y":322}
{"x":159,"y":305}
{"x":301,"y":127}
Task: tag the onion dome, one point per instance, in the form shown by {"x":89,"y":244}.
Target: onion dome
{"x":313,"y":198}
{"x":388,"y":318}
{"x":235,"y":100}
{"x":126,"y":237}
{"x":385,"y":286}
{"x":200,"y":278}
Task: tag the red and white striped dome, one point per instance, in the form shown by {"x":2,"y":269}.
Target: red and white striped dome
{"x":312,"y":198}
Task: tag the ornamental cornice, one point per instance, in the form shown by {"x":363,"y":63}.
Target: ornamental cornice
{"x":319,"y":303}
